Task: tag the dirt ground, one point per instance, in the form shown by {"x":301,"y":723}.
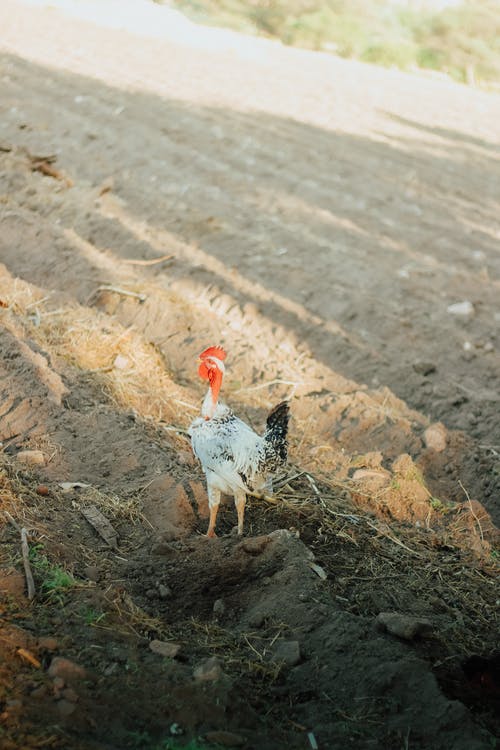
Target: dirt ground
{"x":322,"y":220}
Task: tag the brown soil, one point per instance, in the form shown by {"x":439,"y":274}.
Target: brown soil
{"x":321,"y":217}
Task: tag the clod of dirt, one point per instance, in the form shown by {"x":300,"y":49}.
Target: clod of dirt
{"x":424,"y":368}
{"x":164,"y":549}
{"x":435,"y":437}
{"x":404,"y":626}
{"x":255,"y":545}
{"x":209,"y":670}
{"x":92,"y":573}
{"x":31,"y":458}
{"x":165,"y":648}
{"x":48,"y":643}
{"x":11,"y":583}
{"x":372,"y":479}
{"x":287,"y":653}
{"x":66,"y":669}
{"x":403,"y":495}
{"x":70,"y":695}
{"x":167,"y":506}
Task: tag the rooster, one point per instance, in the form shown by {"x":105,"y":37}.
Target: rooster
{"x":236,"y":460}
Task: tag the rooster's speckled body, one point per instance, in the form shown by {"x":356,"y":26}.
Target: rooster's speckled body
{"x":235,"y":459}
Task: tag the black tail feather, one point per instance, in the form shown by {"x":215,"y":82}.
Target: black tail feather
{"x":277,"y":430}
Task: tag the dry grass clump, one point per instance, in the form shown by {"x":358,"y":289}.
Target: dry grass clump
{"x":112,"y":506}
{"x":241,"y":653}
{"x":16,"y":500}
{"x":134,"y":619}
{"x":133,"y":373}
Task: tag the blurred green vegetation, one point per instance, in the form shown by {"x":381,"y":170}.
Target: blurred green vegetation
{"x":462,"y":39}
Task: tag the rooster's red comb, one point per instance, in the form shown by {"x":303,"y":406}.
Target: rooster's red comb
{"x":214,"y":351}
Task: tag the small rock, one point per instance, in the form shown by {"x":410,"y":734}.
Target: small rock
{"x":255,"y":545}
{"x":219,"y":607}
{"x":165,"y":648}
{"x":151,"y":593}
{"x":424,"y":368}
{"x":435,"y":437}
{"x":463,"y":309}
{"x":227,"y":739}
{"x":287,"y":652}
{"x":42,"y":489}
{"x":208,"y":671}
{"x":164,"y":592}
{"x":31,"y":458}
{"x":92,"y":573}
{"x":404,"y":626}
{"x":67,"y":669}
{"x":65,"y":708}
{"x":488,"y":347}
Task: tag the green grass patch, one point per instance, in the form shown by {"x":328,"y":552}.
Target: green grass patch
{"x":54,"y":581}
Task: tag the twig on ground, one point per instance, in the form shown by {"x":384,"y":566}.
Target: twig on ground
{"x":268,"y":383}
{"x":12,"y":521}
{"x":472,"y":510}
{"x":117,"y":290}
{"x":151,"y":262}
{"x":392,"y":538}
{"x":43,"y":164}
{"x":25,"y":550}
{"x":313,"y":485}
{"x":350,"y":516}
{"x":28,"y":656}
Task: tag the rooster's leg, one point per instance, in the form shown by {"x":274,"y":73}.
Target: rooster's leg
{"x":213,"y":504}
{"x":240,"y":500}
